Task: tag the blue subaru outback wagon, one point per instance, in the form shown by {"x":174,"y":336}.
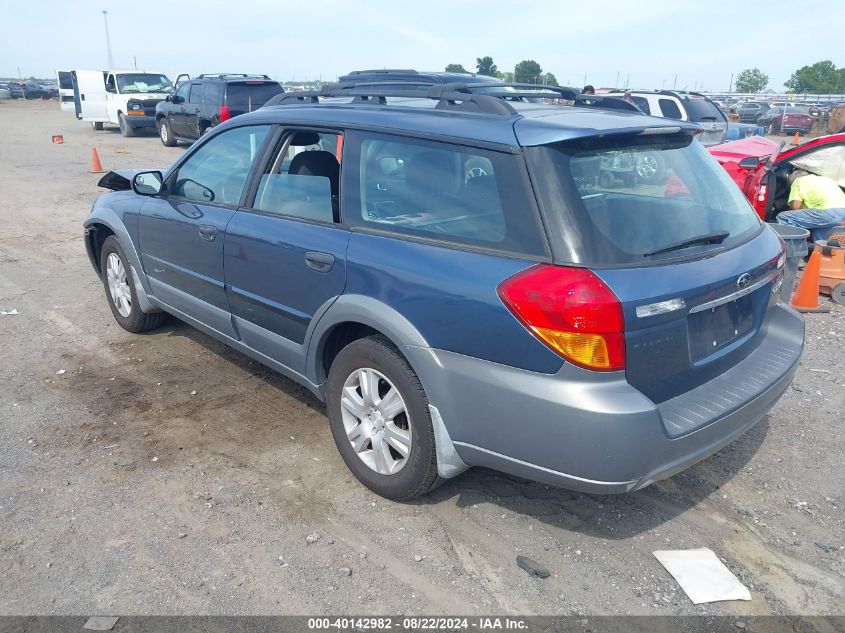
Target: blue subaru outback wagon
{"x":468,"y":281}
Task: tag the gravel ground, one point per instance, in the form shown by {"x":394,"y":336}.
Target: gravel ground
{"x":165,"y":473}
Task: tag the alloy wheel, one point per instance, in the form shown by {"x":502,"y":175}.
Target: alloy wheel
{"x":376,"y":421}
{"x":121,"y":296}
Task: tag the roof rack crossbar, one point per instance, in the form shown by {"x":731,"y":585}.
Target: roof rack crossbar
{"x":222,"y":75}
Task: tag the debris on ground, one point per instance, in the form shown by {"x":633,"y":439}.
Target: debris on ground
{"x":532,"y":567}
{"x":345,"y":571}
{"x":11,"y":312}
{"x":100,"y":623}
{"x":702,"y":576}
{"x":312,"y":538}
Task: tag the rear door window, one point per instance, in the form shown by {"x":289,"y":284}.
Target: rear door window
{"x":445,"y":192}
{"x":302,"y":179}
{"x":670,"y":109}
{"x":637,"y":201}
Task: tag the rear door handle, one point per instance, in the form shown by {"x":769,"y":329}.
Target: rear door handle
{"x":208,"y":233}
{"x":321,"y":262}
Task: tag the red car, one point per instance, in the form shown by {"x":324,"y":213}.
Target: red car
{"x":786,"y":120}
{"x":760,"y":167}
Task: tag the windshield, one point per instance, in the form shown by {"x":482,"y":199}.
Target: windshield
{"x":134,"y":83}
{"x":638,"y":200}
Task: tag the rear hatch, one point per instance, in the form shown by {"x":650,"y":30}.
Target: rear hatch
{"x":796,"y":118}
{"x":682,"y":250}
{"x":711,"y":119}
{"x":248,"y":95}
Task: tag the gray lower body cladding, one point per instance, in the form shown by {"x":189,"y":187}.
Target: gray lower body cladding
{"x":594,"y":432}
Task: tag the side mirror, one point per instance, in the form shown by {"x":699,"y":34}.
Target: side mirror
{"x":750,"y":162}
{"x":176,"y":99}
{"x":147,"y":183}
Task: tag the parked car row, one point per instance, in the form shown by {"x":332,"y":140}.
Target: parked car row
{"x":465,"y":275}
{"x":27,"y":90}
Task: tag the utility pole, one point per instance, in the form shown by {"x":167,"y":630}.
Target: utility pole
{"x":108,"y":40}
{"x":616,"y":85}
{"x":731,"y":84}
{"x":135,"y":61}
{"x":675,"y":83}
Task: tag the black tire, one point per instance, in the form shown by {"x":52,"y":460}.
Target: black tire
{"x":837,"y":293}
{"x":126,"y":130}
{"x":136,"y":321}
{"x":165,"y":133}
{"x":419,"y":474}
{"x":97,"y":125}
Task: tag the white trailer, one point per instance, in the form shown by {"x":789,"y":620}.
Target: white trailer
{"x":126,"y":98}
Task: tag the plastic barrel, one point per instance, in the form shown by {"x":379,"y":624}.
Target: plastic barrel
{"x":796,"y":248}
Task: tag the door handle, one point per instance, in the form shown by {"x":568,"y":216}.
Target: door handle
{"x":208,"y":233}
{"x":321,"y":262}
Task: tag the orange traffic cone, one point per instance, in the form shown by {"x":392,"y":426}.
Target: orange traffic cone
{"x":96,"y":165}
{"x":795,"y":139}
{"x":806,"y":297}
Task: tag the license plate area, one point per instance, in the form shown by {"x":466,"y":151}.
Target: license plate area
{"x":712,"y":329}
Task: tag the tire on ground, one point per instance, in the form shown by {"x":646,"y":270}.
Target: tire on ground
{"x":419,"y":474}
{"x":136,"y":321}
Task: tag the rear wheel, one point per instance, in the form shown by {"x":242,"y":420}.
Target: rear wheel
{"x":165,"y":133}
{"x":120,"y":290}
{"x":126,"y":130}
{"x":379,"y":417}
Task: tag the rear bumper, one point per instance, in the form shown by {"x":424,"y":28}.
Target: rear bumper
{"x":594,"y":432}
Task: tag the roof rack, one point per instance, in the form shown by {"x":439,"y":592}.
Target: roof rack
{"x":407,"y":71}
{"x":227,"y":75}
{"x":490,"y":98}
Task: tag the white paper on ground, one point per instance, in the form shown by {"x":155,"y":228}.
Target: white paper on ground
{"x":11,"y":312}
{"x":702,"y":575}
{"x":100,"y":623}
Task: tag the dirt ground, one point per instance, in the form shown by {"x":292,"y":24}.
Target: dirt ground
{"x":167,"y":474}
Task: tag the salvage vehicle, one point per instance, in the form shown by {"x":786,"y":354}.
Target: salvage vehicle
{"x":684,"y":106}
{"x":126,"y":98}
{"x":466,"y":290}
{"x":786,"y":120}
{"x":750,"y":111}
{"x":761,"y":167}
{"x":199,"y":104}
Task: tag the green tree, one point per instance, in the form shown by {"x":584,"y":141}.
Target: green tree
{"x":506,"y":76}
{"x":485,"y":66}
{"x":455,"y":68}
{"x":751,"y":80}
{"x":821,"y":77}
{"x":527,"y":72}
{"x":549,"y":79}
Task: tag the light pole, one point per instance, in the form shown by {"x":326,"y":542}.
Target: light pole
{"x":108,"y":40}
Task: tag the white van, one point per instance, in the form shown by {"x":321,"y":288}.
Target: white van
{"x":126,"y":98}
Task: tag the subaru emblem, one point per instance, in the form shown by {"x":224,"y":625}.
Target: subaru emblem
{"x":743,"y":280}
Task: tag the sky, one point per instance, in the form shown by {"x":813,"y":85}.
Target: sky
{"x":651,"y":44}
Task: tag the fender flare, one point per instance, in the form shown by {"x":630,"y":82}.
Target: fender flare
{"x":107,"y":217}
{"x":359,"y":309}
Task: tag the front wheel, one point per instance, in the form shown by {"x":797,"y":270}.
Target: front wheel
{"x":165,"y":133}
{"x":379,"y":417}
{"x":126,"y":130}
{"x":120,"y":290}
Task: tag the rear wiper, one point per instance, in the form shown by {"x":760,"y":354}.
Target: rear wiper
{"x":717,"y":237}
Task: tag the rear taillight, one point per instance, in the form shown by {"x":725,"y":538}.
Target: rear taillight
{"x":225,"y":113}
{"x":572,"y":311}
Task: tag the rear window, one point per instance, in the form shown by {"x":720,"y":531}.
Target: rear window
{"x":699,"y":109}
{"x":638,"y":200}
{"x":444,"y":192}
{"x":250,"y":95}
